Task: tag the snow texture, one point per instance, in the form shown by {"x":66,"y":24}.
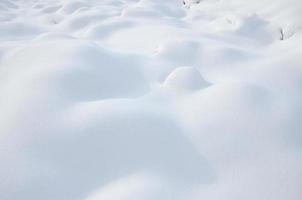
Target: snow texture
{"x":150,"y":99}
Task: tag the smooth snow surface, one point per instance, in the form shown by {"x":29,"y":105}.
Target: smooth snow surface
{"x":150,"y":99}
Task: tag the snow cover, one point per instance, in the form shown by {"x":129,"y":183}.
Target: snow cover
{"x":150,"y":99}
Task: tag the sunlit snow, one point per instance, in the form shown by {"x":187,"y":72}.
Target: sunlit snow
{"x":150,"y":100}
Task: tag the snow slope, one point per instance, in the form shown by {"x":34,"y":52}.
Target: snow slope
{"x":150,"y":99}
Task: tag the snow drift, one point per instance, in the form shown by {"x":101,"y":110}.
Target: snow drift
{"x":150,"y":99}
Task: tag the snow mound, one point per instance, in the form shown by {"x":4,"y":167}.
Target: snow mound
{"x":185,"y":78}
{"x":73,"y":63}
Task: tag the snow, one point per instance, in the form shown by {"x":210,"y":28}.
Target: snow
{"x":186,"y":78}
{"x":150,"y":99}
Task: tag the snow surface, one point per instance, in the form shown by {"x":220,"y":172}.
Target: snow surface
{"x":150,"y":99}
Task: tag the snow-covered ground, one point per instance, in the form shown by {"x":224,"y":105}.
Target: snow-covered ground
{"x":150,"y":100}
